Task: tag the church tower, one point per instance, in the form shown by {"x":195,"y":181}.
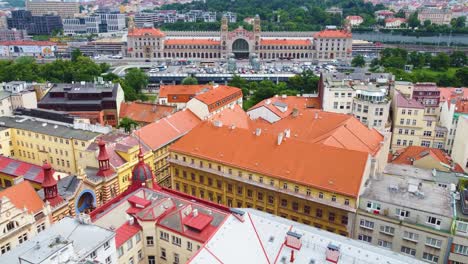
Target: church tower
{"x":103,"y":160}
{"x":142,"y":175}
{"x":224,"y":35}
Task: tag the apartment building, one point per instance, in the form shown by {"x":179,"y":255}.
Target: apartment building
{"x":94,"y":24}
{"x":453,"y":104}
{"x":209,"y":103}
{"x":170,"y":129}
{"x":21,"y":96}
{"x":407,"y":211}
{"x":69,"y":240}
{"x":99,"y":101}
{"x":365,"y":95}
{"x":62,"y":9}
{"x":460,"y":144}
{"x":262,"y":237}
{"x":354,"y":20}
{"x":34,"y":24}
{"x":145,"y":113}
{"x":210,"y":162}
{"x":459,"y":249}
{"x":24,"y":215}
{"x":34,"y":140}
{"x":158,"y":225}
{"x":435,"y":15}
{"x":13,"y":34}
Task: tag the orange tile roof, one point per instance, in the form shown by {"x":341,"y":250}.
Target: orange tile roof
{"x":447,"y":93}
{"x":233,"y":116}
{"x":191,"y":42}
{"x":217,"y":94}
{"x":167,"y":129}
{"x":285,"y":42}
{"x":144,"y":112}
{"x":462,"y":106}
{"x":23,"y":196}
{"x":354,"y":18}
{"x":137,"y":32}
{"x":297,"y":161}
{"x":394,"y":19}
{"x":166,"y":90}
{"x":331,"y":33}
{"x":331,"y":129}
{"x":27,"y":43}
{"x":405,"y":155}
{"x":293,"y":102}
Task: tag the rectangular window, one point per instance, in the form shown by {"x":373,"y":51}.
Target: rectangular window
{"x":433,"y":221}
{"x":411,"y":236}
{"x":461,"y":249}
{"x":106,"y":245}
{"x":408,"y":251}
{"x":120,"y":251}
{"x":365,"y":238}
{"x":388,"y":230}
{"x":189,"y":246}
{"x":149,"y":241}
{"x":319,"y":213}
{"x":402,"y":213}
{"x":176,"y":240}
{"x":331,"y":217}
{"x":366,"y":224}
{"x":385,"y":244}
{"x":431,"y":258}
{"x":433,"y":242}
{"x":140,"y":254}
{"x":163,"y":253}
{"x":129,"y":244}
{"x":176,"y":258}
{"x":462,"y":227}
{"x":163,"y":236}
{"x":151,"y":260}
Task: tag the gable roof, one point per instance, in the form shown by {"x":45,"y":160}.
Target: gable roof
{"x":23,"y":195}
{"x":306,"y":163}
{"x":413,"y":153}
{"x":222,"y":94}
{"x":331,"y":33}
{"x":166,"y":90}
{"x":233,"y":116}
{"x":144,"y":112}
{"x":15,"y":168}
{"x":136,"y":32}
{"x":292,"y":102}
{"x":327,"y":128}
{"x":404,"y":102}
{"x":167,"y":129}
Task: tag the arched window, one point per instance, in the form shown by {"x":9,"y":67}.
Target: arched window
{"x":10,"y":226}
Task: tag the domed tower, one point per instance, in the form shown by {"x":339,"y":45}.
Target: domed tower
{"x":142,"y":174}
{"x":49,"y":185}
{"x":257,"y":31}
{"x":103,"y":160}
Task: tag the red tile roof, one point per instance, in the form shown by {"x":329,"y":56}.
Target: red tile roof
{"x":292,"y":102}
{"x":168,"y":129}
{"x":327,"y":128}
{"x":354,"y":18}
{"x":167,"y":90}
{"x":27,"y":43}
{"x":331,"y":33}
{"x":285,"y":42}
{"x":125,"y":232}
{"x":447,"y":93}
{"x":23,"y":196}
{"x":406,"y":155}
{"x":137,"y":32}
{"x":15,"y":168}
{"x":144,"y":112}
{"x":393,"y":19}
{"x":462,"y":106}
{"x":218,"y":94}
{"x":294,"y":160}
{"x":191,"y":42}
{"x":198,"y":222}
{"x":404,"y":102}
{"x":233,"y":116}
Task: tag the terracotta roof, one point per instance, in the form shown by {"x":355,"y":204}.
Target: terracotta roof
{"x":167,"y":129}
{"x":404,"y":102}
{"x":27,"y":43}
{"x":292,"y":102}
{"x":331,"y":33}
{"x":144,"y":112}
{"x":428,"y":86}
{"x":327,"y":128}
{"x":191,"y":42}
{"x":354,"y":18}
{"x":15,"y":168}
{"x":393,"y":19}
{"x":447,"y":93}
{"x":218,"y":94}
{"x":285,"y":42}
{"x":462,"y":106}
{"x":406,"y":155}
{"x":125,"y":232}
{"x":166,"y":90}
{"x":298,"y":161}
{"x":233,"y":116}
{"x":23,"y":196}
{"x":145,"y":32}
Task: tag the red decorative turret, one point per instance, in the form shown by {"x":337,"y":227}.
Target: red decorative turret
{"x":103,"y":160}
{"x":49,"y":185}
{"x":142,"y":173}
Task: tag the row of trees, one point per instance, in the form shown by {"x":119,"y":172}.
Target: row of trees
{"x":278,"y":15}
{"x":254,"y":91}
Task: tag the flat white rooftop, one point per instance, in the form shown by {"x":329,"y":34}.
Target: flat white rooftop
{"x":261,"y":239}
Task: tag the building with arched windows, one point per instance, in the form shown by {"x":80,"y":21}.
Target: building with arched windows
{"x":149,"y":43}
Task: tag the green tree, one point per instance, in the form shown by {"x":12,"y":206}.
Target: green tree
{"x":440,"y":62}
{"x":462,"y":76}
{"x":75,"y":54}
{"x":84,"y":69}
{"x":400,"y":14}
{"x":358,"y":61}
{"x":189,"y":80}
{"x":458,"y":22}
{"x":127,"y":124}
{"x":306,"y":82}
{"x":458,"y":59}
{"x":413,"y":20}
{"x":136,"y":79}
{"x":25,"y":69}
{"x":110,"y":77}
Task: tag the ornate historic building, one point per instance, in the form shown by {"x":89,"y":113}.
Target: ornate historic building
{"x":151,"y":43}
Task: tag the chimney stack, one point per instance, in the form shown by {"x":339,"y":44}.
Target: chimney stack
{"x":280,"y":138}
{"x":195,"y":212}
{"x":316,"y":115}
{"x":287,"y":133}
{"x":258,"y":132}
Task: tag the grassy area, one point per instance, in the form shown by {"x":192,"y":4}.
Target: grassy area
{"x":442,"y":78}
{"x":428,"y":72}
